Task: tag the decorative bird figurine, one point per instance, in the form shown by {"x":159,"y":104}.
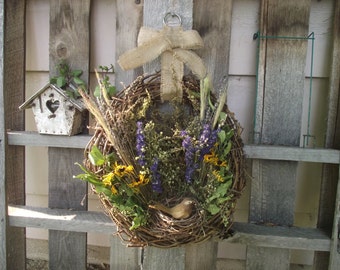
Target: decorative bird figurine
{"x":179,"y":211}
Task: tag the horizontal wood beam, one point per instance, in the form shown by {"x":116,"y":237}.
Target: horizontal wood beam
{"x":245,"y":233}
{"x":289,"y":153}
{"x":31,"y":138}
{"x":280,"y":237}
{"x":268,"y":152}
{"x":60,"y":219}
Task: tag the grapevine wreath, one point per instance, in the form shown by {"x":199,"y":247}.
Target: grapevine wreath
{"x":166,"y":157}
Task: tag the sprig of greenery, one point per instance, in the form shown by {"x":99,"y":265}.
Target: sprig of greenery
{"x":66,"y":78}
{"x":105,"y":82}
{"x":120,"y":184}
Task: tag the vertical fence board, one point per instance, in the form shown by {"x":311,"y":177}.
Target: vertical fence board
{"x":122,"y":257}
{"x":127,"y":29}
{"x":212,"y":19}
{"x":14,"y":95}
{"x":278,"y":120}
{"x":154,"y":12}
{"x":3,"y":202}
{"x":330,"y":174}
{"x":334,"y":259}
{"x":128,"y":22}
{"x":167,"y":258}
{"x":69,"y":41}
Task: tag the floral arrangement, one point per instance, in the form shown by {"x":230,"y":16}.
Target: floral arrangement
{"x":168,"y":173}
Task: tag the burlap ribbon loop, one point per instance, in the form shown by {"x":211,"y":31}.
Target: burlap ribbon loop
{"x":174,"y":45}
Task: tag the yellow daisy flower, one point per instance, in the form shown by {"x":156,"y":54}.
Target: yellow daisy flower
{"x":142,"y":180}
{"x":107,"y":179}
{"x":121,"y":170}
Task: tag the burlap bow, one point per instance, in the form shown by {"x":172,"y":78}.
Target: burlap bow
{"x":174,"y":45}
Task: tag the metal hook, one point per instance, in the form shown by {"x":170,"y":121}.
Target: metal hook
{"x":168,"y":19}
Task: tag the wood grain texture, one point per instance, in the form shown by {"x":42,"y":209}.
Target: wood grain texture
{"x":127,"y":29}
{"x":330,"y":173}
{"x":281,"y":71}
{"x":260,"y":258}
{"x":334,"y":259}
{"x":154,"y":13}
{"x":122,"y":257}
{"x":278,"y":119}
{"x":129,"y":18}
{"x":14,"y":94}
{"x":261,"y":235}
{"x":170,"y":258}
{"x":212,"y":19}
{"x":69,"y":41}
{"x":269,"y":152}
{"x":3,"y":202}
{"x":60,"y":219}
{"x":272,"y":194}
{"x":201,"y":255}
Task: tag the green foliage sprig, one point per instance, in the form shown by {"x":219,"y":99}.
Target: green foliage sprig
{"x":68,"y":80}
{"x":120,"y":184}
{"x":104,"y":82}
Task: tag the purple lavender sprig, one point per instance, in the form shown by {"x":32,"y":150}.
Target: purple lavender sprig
{"x":189,"y":157}
{"x":140,"y":144}
{"x":207,"y":140}
{"x":156,"y":182}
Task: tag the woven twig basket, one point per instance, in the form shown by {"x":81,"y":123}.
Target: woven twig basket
{"x":161,"y":229}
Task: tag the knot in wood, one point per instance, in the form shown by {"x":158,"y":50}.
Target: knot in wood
{"x":61,"y":50}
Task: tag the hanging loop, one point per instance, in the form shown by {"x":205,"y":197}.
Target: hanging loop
{"x":172,"y":19}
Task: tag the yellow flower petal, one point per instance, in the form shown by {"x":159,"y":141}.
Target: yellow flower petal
{"x":218,"y":176}
{"x":114,"y":190}
{"x":107,"y":179}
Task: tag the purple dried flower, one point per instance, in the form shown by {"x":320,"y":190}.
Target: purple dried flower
{"x":140,"y":144}
{"x":189,"y":157}
{"x":156,"y":177}
{"x":207,"y":140}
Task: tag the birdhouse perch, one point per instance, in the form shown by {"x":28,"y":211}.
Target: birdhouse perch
{"x":55,"y":112}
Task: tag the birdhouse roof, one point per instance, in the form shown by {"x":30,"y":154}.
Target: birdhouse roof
{"x":79,"y":104}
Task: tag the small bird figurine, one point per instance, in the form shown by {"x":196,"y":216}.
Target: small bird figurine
{"x":179,"y":211}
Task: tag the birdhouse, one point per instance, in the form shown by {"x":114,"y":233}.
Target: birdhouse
{"x":55,"y":112}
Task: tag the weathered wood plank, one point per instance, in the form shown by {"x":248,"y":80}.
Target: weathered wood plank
{"x":330,"y":173}
{"x":3,"y":202}
{"x":14,"y":95}
{"x":31,"y":138}
{"x":278,"y":119}
{"x":69,"y":41}
{"x":154,"y":13}
{"x":201,"y":255}
{"x":60,"y":219}
{"x":334,"y":259}
{"x":288,"y":153}
{"x":244,"y":233}
{"x":266,"y":258}
{"x":280,"y":237}
{"x":270,"y":152}
{"x":127,"y":29}
{"x":122,"y":257}
{"x":171,"y":258}
{"x":212,"y":19}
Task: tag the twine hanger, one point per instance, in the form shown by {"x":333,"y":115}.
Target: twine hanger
{"x":174,"y":46}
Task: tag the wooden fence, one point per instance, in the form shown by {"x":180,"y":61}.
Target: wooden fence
{"x":274,"y":157}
